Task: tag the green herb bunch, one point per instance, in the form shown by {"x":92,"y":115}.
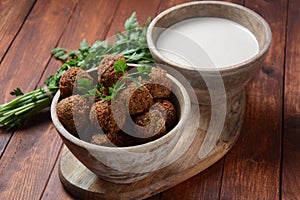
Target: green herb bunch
{"x":132,"y":44}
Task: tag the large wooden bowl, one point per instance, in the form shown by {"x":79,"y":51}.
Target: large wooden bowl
{"x":127,"y":164}
{"x":232,"y":78}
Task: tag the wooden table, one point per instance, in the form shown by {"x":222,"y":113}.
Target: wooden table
{"x":263,"y":164}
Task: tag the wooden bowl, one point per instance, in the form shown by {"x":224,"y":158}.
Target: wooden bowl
{"x":233,"y":78}
{"x":126,"y":164}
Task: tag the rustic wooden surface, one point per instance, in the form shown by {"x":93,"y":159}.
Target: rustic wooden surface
{"x":263,"y":164}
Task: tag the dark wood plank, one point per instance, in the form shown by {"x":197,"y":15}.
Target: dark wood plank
{"x":202,"y":186}
{"x":30,"y":51}
{"x":241,"y":2}
{"x":91,"y":22}
{"x":143,"y":9}
{"x":4,"y":138}
{"x":29,"y":54}
{"x":168,"y":4}
{"x":25,"y":164}
{"x":12,"y":17}
{"x":291,"y":135}
{"x":252,"y":168}
{"x":54,"y":189}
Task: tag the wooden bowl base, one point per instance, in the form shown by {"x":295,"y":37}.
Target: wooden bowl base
{"x":83,"y":184}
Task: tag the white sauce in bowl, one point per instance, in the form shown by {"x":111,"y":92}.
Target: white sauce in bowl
{"x":207,"y":42}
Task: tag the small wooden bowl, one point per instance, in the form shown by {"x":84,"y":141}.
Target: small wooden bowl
{"x":126,"y":164}
{"x":234,"y":77}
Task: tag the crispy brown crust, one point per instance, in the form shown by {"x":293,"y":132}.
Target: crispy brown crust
{"x":101,"y":115}
{"x":72,"y":112}
{"x":168,"y":111}
{"x":136,"y":99}
{"x":68,"y":83}
{"x":149,"y":126}
{"x":159,"y":84}
{"x":107,"y":76}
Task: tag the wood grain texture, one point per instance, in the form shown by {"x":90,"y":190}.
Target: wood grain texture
{"x":25,"y":166}
{"x":205,"y":185}
{"x":143,"y":9}
{"x":12,"y":17}
{"x":26,"y":163}
{"x":54,"y":189}
{"x":168,"y":4}
{"x":30,"y":49}
{"x":90,"y":21}
{"x":241,"y":2}
{"x":252,"y":168}
{"x":4,"y":139}
{"x":291,"y":134}
{"x":25,"y":62}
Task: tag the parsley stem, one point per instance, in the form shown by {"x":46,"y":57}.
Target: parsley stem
{"x":13,"y":113}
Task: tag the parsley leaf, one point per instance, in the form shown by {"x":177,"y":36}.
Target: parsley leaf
{"x":16,"y":92}
{"x":120,"y":66}
{"x":131,"y":23}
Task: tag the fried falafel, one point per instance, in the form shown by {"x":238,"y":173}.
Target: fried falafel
{"x":107,"y":75}
{"x":167,"y":110}
{"x":72,"y":112}
{"x":68,"y":82}
{"x":149,"y":126}
{"x":101,"y":115}
{"x":136,"y":98}
{"x":159,"y":84}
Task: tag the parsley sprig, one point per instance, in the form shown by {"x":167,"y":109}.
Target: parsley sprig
{"x":142,"y":73}
{"x":120,"y":66}
{"x":131,"y":43}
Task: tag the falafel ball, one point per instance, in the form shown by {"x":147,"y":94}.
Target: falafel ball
{"x":167,"y":110}
{"x":159,"y":84}
{"x":107,"y":75}
{"x":72,"y":112}
{"x":101,"y":115}
{"x":68,"y":84}
{"x":135,"y":98}
{"x":149,"y":126}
